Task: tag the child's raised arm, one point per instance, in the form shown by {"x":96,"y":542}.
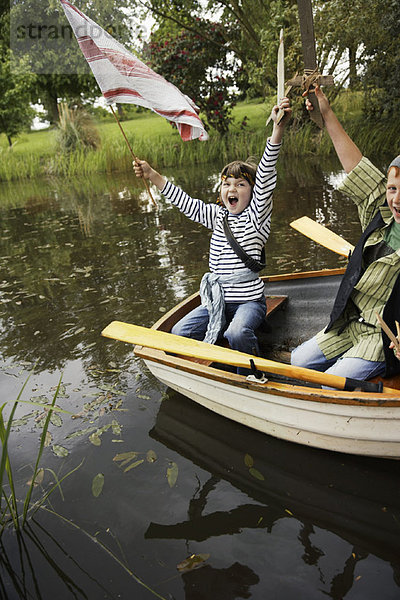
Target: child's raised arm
{"x":144,"y":170}
{"x":347,"y":151}
{"x":279,"y":128}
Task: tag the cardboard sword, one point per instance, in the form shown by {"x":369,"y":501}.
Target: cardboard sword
{"x":281,"y":92}
{"x":311,"y":76}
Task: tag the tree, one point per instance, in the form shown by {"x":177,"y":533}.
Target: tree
{"x":16,"y":113}
{"x":248,"y":29}
{"x":382,"y":69}
{"x":368,"y":46}
{"x":41,"y":34}
{"x":201,"y":71}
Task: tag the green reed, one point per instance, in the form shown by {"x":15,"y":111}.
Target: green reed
{"x":9,"y":504}
{"x":154,"y":140}
{"x":9,"y":509}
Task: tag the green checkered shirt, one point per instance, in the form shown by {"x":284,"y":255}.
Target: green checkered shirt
{"x":366,"y":185}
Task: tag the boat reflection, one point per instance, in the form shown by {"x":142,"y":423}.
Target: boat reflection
{"x":355,"y":498}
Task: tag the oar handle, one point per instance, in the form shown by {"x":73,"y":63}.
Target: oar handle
{"x":365,"y":386}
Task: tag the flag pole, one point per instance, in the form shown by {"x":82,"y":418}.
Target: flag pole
{"x":133,"y":154}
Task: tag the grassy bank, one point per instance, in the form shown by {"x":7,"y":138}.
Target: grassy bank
{"x":35,"y":154}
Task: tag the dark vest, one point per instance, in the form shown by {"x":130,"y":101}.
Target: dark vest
{"x":391,"y":312}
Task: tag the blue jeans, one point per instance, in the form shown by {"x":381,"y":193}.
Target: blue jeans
{"x":309,"y":355}
{"x":242,"y":320}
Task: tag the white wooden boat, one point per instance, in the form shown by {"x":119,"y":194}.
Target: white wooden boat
{"x":356,"y":422}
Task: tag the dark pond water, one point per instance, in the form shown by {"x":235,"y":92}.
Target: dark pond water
{"x":76,"y":255}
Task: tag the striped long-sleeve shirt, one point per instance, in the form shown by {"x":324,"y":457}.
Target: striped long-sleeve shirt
{"x":251,"y":227}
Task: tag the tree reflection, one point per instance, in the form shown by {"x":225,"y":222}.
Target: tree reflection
{"x":76,"y":254}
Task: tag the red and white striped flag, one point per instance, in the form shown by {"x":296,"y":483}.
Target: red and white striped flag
{"x":124,"y":78}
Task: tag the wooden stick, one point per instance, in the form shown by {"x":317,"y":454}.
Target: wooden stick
{"x":133,"y":154}
{"x":389,"y":333}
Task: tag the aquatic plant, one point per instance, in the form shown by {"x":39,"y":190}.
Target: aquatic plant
{"x":23,"y":522}
{"x":9,"y":504}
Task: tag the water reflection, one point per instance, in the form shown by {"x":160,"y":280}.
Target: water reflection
{"x":226,"y":584}
{"x":353,"y":498}
{"x":75,"y":254}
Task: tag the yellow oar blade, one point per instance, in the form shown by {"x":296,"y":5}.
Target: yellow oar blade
{"x":160,"y":340}
{"x":322,"y":235}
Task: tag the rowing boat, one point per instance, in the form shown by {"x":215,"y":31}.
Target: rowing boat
{"x":355,"y":422}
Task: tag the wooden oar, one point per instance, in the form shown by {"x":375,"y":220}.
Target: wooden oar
{"x":160,"y":340}
{"x":322,"y":235}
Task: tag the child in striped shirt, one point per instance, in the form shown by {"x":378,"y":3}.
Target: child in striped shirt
{"x":232,"y":294}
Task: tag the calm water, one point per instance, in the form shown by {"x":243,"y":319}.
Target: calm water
{"x":76,"y":255}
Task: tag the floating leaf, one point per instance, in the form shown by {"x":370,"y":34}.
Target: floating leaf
{"x":172,"y":474}
{"x":125,"y":456}
{"x":56,"y":419}
{"x":248,"y":460}
{"x":48,"y":439}
{"x":192,"y":562}
{"x":23,"y":420}
{"x":38,"y":479}
{"x":151,"y":456}
{"x":60,"y":451}
{"x":97,"y":484}
{"x":80,"y":432}
{"x":62,"y":391}
{"x":134,"y":465}
{"x":95,"y":439}
{"x":116,"y":427}
{"x":39,"y":399}
{"x":255,"y":473}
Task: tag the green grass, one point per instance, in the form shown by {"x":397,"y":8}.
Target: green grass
{"x":36,"y":154}
{"x":33,"y":142}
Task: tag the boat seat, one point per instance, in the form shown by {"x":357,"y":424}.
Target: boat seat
{"x":273,"y":304}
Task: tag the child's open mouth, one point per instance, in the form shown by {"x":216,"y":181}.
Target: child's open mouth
{"x":232,"y":200}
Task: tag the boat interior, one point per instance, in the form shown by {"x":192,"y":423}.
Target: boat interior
{"x":298,"y":306}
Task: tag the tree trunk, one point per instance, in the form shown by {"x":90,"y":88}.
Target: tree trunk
{"x":353,"y":78}
{"x":51,"y":106}
{"x":120,"y":110}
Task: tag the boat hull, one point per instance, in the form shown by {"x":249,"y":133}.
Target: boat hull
{"x":357,"y":422}
{"x":349,"y":428}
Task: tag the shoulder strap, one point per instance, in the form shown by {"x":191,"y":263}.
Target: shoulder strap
{"x":249,"y":262}
{"x":353,"y":271}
